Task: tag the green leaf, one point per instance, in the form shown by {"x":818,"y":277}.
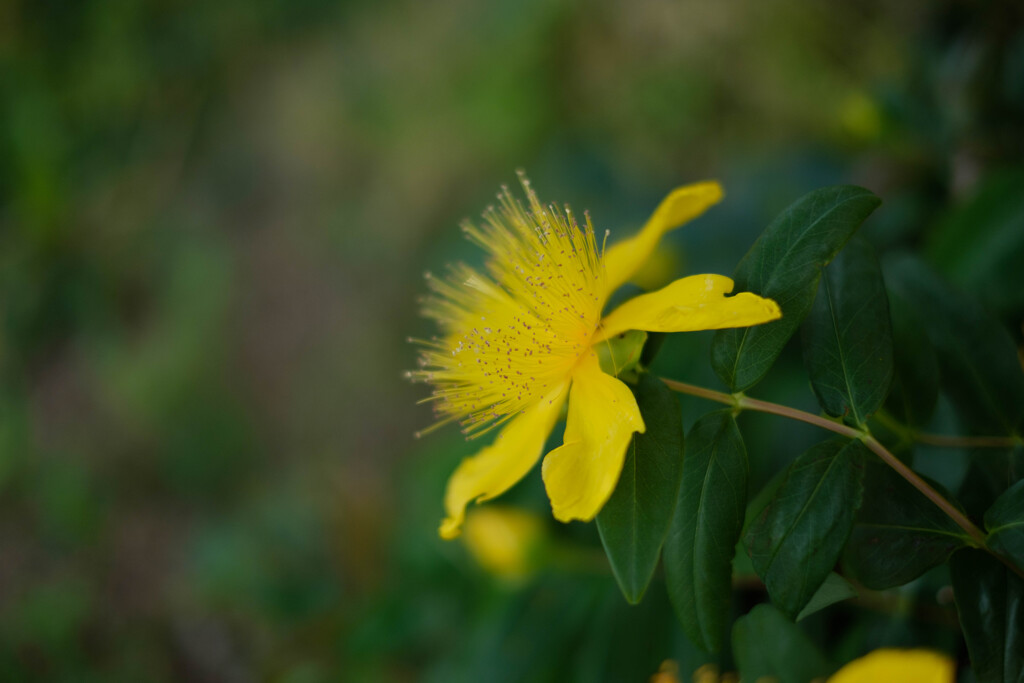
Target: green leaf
{"x":847,"y":338}
{"x":990,"y":472}
{"x":915,"y":386}
{"x":980,"y":245}
{"x":835,"y":589}
{"x":768,"y":646}
{"x":635,"y":520}
{"x":620,"y":355}
{"x":796,"y":541}
{"x":655,"y":340}
{"x":990,"y":602}
{"x":785,"y":264}
{"x":898,"y":534}
{"x":980,"y":370}
{"x":707,"y":524}
{"x":620,"y":642}
{"x":1004,"y":522}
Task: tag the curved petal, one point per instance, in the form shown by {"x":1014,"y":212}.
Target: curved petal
{"x":693,"y":303}
{"x":498,"y":467}
{"x":581,"y":474}
{"x":681,"y":205}
{"x":890,"y":664}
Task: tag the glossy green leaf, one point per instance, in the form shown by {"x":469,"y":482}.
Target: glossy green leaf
{"x":635,"y":520}
{"x":796,"y":541}
{"x":835,"y":589}
{"x":990,"y":602}
{"x":708,"y":521}
{"x":785,"y":264}
{"x":980,"y":369}
{"x":768,"y":646}
{"x":915,"y":385}
{"x":898,"y":534}
{"x":1004,"y":522}
{"x":847,"y":338}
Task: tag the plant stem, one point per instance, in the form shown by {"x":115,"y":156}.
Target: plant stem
{"x":746,"y":403}
{"x":921,"y":485}
{"x":944,"y":440}
{"x":741,"y":402}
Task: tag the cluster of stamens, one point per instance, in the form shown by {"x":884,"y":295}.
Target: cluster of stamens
{"x":513,"y":333}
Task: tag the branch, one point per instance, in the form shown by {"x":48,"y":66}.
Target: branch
{"x":742,"y":402}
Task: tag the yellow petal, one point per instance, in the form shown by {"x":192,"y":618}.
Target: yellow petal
{"x":581,"y":474}
{"x":898,"y":666}
{"x":698,"y":302}
{"x":681,"y":205}
{"x":499,"y":466}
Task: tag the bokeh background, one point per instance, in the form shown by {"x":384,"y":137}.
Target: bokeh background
{"x":214,"y":220}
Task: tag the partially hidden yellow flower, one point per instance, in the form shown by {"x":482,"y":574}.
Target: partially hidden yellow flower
{"x":898,"y":666}
{"x":504,"y":540}
{"x":518,"y":341}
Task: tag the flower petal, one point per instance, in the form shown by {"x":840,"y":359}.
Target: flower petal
{"x":581,"y":474}
{"x":693,"y":303}
{"x":498,"y":467}
{"x":681,"y":205}
{"x":892,"y":666}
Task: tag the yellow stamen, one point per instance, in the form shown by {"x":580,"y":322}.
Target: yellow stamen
{"x":516,"y":330}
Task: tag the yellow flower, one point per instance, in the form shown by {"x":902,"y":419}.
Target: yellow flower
{"x":898,"y":666}
{"x":504,"y":540}
{"x":518,"y":342}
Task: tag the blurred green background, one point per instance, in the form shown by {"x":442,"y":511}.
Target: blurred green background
{"x":214,"y":220}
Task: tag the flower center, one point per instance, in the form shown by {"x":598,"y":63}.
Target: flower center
{"x":516,"y":331}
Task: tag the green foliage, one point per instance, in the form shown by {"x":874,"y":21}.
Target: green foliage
{"x":798,"y":538}
{"x":915,"y":386}
{"x":1004,"y":522}
{"x":707,"y":524}
{"x":785,"y":264}
{"x":990,"y":602}
{"x":847,"y":338}
{"x":979,"y":368}
{"x":634,"y":521}
{"x":767,"y":645}
{"x":213,"y":219}
{"x":979,"y":245}
{"x":834,"y":589}
{"x":898,"y":534}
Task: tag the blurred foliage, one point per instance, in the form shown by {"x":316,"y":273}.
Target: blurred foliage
{"x":213,"y":220}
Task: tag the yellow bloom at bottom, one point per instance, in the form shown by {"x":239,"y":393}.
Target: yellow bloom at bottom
{"x":519,"y":340}
{"x":898,"y":666}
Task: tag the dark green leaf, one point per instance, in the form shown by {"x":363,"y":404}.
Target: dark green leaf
{"x":1004,"y":522}
{"x":785,"y":264}
{"x":980,"y":245}
{"x":767,"y":646}
{"x":635,"y":520}
{"x":655,"y":340}
{"x":847,"y":338}
{"x":707,"y":524}
{"x":622,"y":642}
{"x":835,"y":589}
{"x":898,"y":534}
{"x":989,"y":473}
{"x":980,"y":369}
{"x":990,"y":602}
{"x":915,"y":386}
{"x":796,"y":541}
